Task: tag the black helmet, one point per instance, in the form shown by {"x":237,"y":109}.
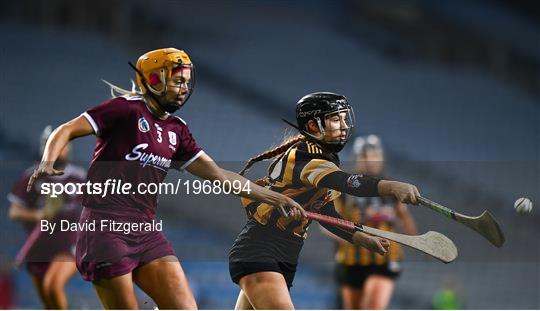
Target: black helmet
{"x":317,"y":107}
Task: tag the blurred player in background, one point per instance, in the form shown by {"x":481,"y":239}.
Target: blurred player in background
{"x":138,"y":140}
{"x":264,"y":257}
{"x":49,"y":258}
{"x":367,"y":279}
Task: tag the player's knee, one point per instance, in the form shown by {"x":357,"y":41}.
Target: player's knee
{"x":175,"y":287}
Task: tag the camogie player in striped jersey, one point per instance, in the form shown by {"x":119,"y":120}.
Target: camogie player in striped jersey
{"x":263,"y":259}
{"x":138,"y":141}
{"x":366,"y":279}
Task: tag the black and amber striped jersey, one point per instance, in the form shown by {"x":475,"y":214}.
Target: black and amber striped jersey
{"x":296,"y":174}
{"x":375,"y":212}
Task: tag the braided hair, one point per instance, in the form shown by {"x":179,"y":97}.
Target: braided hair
{"x":269,"y":154}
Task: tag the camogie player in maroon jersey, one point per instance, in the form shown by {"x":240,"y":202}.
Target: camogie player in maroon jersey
{"x":138,"y":140}
{"x":49,"y":256}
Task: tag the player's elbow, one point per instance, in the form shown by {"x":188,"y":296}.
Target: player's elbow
{"x":63,"y":131}
{"x":68,"y":130}
{"x":75,"y":128}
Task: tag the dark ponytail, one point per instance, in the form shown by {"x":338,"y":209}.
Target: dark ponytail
{"x":271,"y":153}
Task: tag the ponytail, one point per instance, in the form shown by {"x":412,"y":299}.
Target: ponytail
{"x":271,"y":153}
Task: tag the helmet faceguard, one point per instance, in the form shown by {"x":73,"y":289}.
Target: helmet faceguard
{"x":323,"y":108}
{"x":345,"y":117}
{"x":154,"y":71}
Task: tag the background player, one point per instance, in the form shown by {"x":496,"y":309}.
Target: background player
{"x":367,"y":279}
{"x":264,"y":257}
{"x":138,"y":140}
{"x":49,"y":258}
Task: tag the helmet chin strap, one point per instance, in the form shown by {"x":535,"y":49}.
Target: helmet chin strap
{"x":330,"y":146}
{"x":321,"y":128}
{"x":303,"y":132}
{"x":169,"y":107}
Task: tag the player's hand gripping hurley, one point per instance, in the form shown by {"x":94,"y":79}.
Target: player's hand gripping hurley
{"x":484,"y":224}
{"x":432,"y":243}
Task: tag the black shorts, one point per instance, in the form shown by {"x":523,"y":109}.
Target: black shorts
{"x":355,"y":276}
{"x":259,"y":248}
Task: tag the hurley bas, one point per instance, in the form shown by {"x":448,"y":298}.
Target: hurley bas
{"x":106,"y":225}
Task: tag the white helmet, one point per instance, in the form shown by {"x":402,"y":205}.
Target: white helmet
{"x":364,"y":143}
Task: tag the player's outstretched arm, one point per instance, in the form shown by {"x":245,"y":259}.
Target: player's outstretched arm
{"x":206,"y":168}
{"x":58,"y":139}
{"x":366,"y":186}
{"x":20,"y":213}
{"x":403,"y":192}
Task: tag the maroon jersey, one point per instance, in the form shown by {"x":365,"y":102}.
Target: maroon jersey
{"x":40,"y":248}
{"x":136,"y":147}
{"x":33,"y":199}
